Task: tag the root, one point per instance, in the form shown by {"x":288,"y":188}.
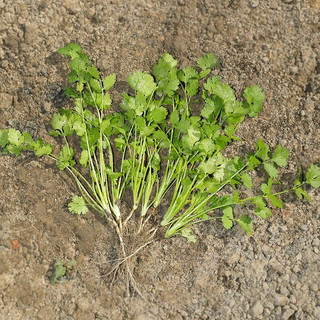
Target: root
{"x":125,"y":260}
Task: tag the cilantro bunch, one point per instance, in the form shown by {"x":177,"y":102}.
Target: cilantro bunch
{"x":157,"y":148}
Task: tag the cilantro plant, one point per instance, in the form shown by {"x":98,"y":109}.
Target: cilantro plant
{"x":61,"y":269}
{"x":158,"y":148}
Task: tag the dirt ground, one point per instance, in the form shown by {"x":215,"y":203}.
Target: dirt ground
{"x":225,"y":275}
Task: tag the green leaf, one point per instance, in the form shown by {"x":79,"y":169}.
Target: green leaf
{"x":147,"y":131}
{"x":77,"y":65}
{"x":208,"y":109}
{"x":236,"y":197}
{"x":79,"y":127}
{"x":276,"y":202}
{"x":204,"y":73}
{"x":95,"y":85}
{"x":160,"y":135}
{"x":228,"y":212}
{"x":255,"y":97}
{"x":165,"y":68}
{"x":80,"y":86}
{"x":71,"y":50}
{"x":109,"y":81}
{"x":207,"y":145}
{"x":245,"y":223}
{"x":266,"y":188}
{"x":188,"y":73}
{"x":44,"y":150}
{"x":301,"y":193}
{"x":192,"y":87}
{"x":247,"y":181}
{"x":187,"y":233}
{"x":262,"y":150}
{"x":259,"y":202}
{"x":183,"y":125}
{"x":174,"y":117}
{"x":158,"y":114}
{"x":59,"y":271}
{"x":66,"y":157}
{"x":58,"y":122}
{"x":13,"y":149}
{"x":93,"y":71}
{"x":4,"y":138}
{"x":193,"y":135}
{"x":227,"y":223}
{"x":15,"y":137}
{"x":225,"y":92}
{"x":211,"y":84}
{"x":71,"y":263}
{"x":168,"y":87}
{"x":72,"y":77}
{"x":208,"y":61}
{"x":70,"y":93}
{"x":271,"y":170}
{"x":227,"y":218}
{"x":313,"y":176}
{"x":78,"y":206}
{"x":142,"y":82}
{"x":263,"y":213}
{"x":211,"y":165}
{"x":84,"y":158}
{"x":253,"y":162}
{"x":28,"y":139}
{"x":280,"y":156}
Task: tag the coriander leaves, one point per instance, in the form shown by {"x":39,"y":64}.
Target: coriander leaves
{"x":156,"y":148}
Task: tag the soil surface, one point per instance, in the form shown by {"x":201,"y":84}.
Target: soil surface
{"x":225,"y":275}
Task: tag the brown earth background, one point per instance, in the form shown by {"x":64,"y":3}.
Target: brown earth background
{"x":226,"y":275}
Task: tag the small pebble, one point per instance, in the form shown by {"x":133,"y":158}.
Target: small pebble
{"x":254,"y":3}
{"x":256,"y":310}
{"x":316,"y":313}
{"x":287,"y":314}
{"x":314,"y":287}
{"x":281,"y":300}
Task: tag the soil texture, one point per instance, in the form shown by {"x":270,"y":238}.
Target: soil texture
{"x":225,"y":275}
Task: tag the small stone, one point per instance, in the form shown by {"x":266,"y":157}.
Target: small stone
{"x":314,"y":287}
{"x":256,"y":310}
{"x":30,"y":32}
{"x":293,"y":70}
{"x":234,"y":258}
{"x":12,"y":42}
{"x":296,"y":269}
{"x":287,"y":314}
{"x":6,"y":100}
{"x":316,"y":313}
{"x":280,"y":301}
{"x":293,"y":299}
{"x":254,"y":3}
{"x":278,"y":311}
{"x":304,"y":227}
{"x":180,"y":44}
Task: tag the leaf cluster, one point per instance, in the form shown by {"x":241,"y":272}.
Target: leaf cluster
{"x":165,"y":149}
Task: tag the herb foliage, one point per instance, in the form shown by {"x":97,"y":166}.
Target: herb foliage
{"x":165,"y":150}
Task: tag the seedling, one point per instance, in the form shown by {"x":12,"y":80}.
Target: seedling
{"x":156,"y":148}
{"x":61,"y":269}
